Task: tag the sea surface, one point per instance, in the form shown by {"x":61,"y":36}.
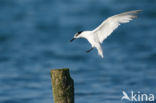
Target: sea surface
{"x":34,"y":38}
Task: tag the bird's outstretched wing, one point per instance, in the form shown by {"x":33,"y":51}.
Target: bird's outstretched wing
{"x":111,"y":23}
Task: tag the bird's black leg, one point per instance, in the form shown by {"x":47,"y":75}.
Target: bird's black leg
{"x":89,"y":50}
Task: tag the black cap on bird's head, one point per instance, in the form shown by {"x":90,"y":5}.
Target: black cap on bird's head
{"x":76,"y":35}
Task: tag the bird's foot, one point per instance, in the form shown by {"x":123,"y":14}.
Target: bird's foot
{"x":89,"y":50}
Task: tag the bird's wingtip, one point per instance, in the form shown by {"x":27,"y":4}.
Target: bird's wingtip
{"x":138,"y":11}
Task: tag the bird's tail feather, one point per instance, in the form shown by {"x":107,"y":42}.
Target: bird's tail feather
{"x":100,"y":52}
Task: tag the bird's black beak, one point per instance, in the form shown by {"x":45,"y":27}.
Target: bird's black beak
{"x":72,"y":39}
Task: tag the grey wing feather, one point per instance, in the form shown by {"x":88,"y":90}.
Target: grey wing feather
{"x":111,"y":23}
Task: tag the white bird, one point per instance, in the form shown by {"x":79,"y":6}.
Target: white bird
{"x":99,"y":34}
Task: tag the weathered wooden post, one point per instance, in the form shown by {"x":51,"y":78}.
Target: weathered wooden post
{"x":62,"y":85}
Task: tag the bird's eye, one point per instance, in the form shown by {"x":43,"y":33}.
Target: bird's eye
{"x":76,"y":34}
{"x":79,"y":32}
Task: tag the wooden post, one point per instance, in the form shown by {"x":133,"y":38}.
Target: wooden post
{"x":62,"y":85}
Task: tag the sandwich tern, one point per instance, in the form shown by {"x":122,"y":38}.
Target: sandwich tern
{"x":99,"y":34}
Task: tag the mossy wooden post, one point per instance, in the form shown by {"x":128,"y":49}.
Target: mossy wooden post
{"x":62,"y":85}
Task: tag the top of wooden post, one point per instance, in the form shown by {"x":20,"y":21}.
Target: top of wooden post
{"x":64,"y":69}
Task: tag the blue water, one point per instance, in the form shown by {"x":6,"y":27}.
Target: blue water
{"x":34,"y":38}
